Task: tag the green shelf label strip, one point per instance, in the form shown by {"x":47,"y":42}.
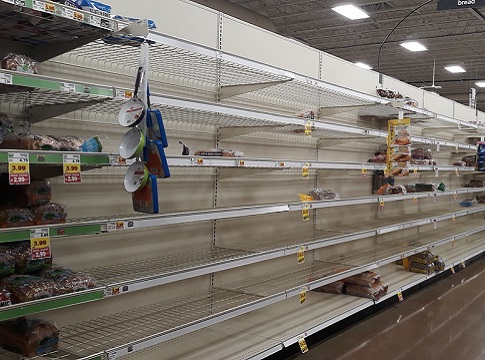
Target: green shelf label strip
{"x":55,"y":158}
{"x":58,"y":230}
{"x":50,"y":305}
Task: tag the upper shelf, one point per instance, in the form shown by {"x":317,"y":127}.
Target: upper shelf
{"x":44,"y":29}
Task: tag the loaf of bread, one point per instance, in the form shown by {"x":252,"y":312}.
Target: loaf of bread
{"x":7,"y":261}
{"x":29,"y":337}
{"x":68,"y":281}
{"x":375,"y":292}
{"x":18,"y":62}
{"x":336,"y":287}
{"x":424,"y":257}
{"x":421,"y":268}
{"x":15,"y":217}
{"x":50,"y":213}
{"x":28,"y":288}
{"x":367,"y":278}
{"x":38,"y":192}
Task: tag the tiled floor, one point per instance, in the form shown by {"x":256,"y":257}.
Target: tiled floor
{"x":444,"y":321}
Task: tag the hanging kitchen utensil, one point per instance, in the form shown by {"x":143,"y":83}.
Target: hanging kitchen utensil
{"x":145,"y":200}
{"x":132,"y":144}
{"x":136,"y":177}
{"x":133,"y":111}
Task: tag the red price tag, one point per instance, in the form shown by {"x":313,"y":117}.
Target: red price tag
{"x":18,"y":169}
{"x":72,"y":168}
{"x":40,"y":244}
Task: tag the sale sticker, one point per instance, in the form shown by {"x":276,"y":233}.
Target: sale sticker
{"x":18,"y":169}
{"x":40,"y":244}
{"x":305,"y":171}
{"x":200,"y":161}
{"x":302,"y":294}
{"x":116,"y":160}
{"x":399,"y":296}
{"x":50,"y":8}
{"x":301,"y":255}
{"x":364,"y":172}
{"x":241,"y":163}
{"x":303,"y":345}
{"x":305,"y":212}
{"x":415,"y":200}
{"x":381,"y":204}
{"x":415,"y":171}
{"x":72,"y":168}
{"x":308,"y":128}
{"x":457,"y":172}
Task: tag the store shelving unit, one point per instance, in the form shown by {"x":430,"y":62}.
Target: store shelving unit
{"x":236,"y":99}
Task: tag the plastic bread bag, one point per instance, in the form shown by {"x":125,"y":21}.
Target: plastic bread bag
{"x":374,"y":292}
{"x":29,"y":337}
{"x":28,"y":288}
{"x":439,"y":264}
{"x":24,"y":264}
{"x":15,"y":217}
{"x":6,"y":125}
{"x":5,"y":298}
{"x":38,"y":192}
{"x":367,"y":278}
{"x":18,"y":62}
{"x":336,"y":287}
{"x":29,"y":142}
{"x":323,"y":194}
{"x":424,"y":257}
{"x":421,"y":268}
{"x":49,"y":213}
{"x":68,"y":281}
{"x":306,"y":114}
{"x":66,"y":143}
{"x":7,"y":260}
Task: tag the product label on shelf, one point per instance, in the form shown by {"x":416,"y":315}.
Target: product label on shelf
{"x":40,"y":244}
{"x":454,"y":218}
{"x":305,"y":171}
{"x":38,"y":5}
{"x":415,"y":200}
{"x":118,"y":225}
{"x":18,"y":169}
{"x":241,"y":163}
{"x":305,"y":212}
{"x":399,"y":296}
{"x":302,"y":294}
{"x":123,"y":94}
{"x":415,"y":171}
{"x":303,"y":345}
{"x":6,"y":79}
{"x":72,"y":168}
{"x":116,"y":160}
{"x":308,"y":128}
{"x":50,"y":8}
{"x":68,"y":87}
{"x":99,"y":22}
{"x":16,"y":2}
{"x":381,"y":204}
{"x":301,"y":255}
{"x":457,"y":172}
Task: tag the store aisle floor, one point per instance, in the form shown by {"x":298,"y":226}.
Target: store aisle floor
{"x":444,"y":321}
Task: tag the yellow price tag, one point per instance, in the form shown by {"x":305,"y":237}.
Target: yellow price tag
{"x":364,"y":172}
{"x":454,"y":219}
{"x":415,"y":171}
{"x":305,"y":171}
{"x":457,"y":172}
{"x":455,"y":195}
{"x":40,"y":245}
{"x":241,"y":163}
{"x":463,"y":264}
{"x":303,"y":345}
{"x":303,"y":295}
{"x":308,"y":128}
{"x":18,"y":168}
{"x":301,"y":255}
{"x":200,"y":161}
{"x":72,"y":168}
{"x":399,"y":296}
{"x":306,"y":212}
{"x":381,"y":204}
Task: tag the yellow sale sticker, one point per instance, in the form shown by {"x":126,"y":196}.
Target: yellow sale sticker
{"x":303,"y":345}
{"x":305,"y":171}
{"x":399,"y":296}
{"x":308,"y":128}
{"x":303,"y":295}
{"x":18,"y":168}
{"x":301,"y":255}
{"x":306,"y":212}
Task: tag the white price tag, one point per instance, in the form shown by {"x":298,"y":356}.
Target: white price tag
{"x":69,"y":87}
{"x":94,"y":20}
{"x":68,"y":13}
{"x":123,"y":94}
{"x":6,"y":79}
{"x":116,"y":160}
{"x":38,"y":5}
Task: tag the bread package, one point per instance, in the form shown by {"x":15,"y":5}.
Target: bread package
{"x":15,"y":217}
{"x":18,"y":62}
{"x":323,"y":194}
{"x":7,"y":260}
{"x":422,"y":268}
{"x":28,"y":288}
{"x":29,"y":337}
{"x":336,"y":287}
{"x":5,"y":298}
{"x":424,"y":257}
{"x":68,"y":281}
{"x":38,"y":192}
{"x":476,"y":183}
{"x":50,"y":213}
{"x":374,"y":292}
{"x":220,"y":152}
{"x":23,"y":259}
{"x":367,"y":278}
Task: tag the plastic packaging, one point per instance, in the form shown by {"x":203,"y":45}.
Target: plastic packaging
{"x":38,"y":192}
{"x":424,"y":257}
{"x":323,"y":194}
{"x":422,"y":268}
{"x":367,"y":278}
{"x":220,"y":152}
{"x":29,"y":337}
{"x":18,"y":62}
{"x":439,"y":264}
{"x":476,"y":183}
{"x":15,"y":217}
{"x":92,"y":145}
{"x":7,"y":260}
{"x":6,"y":126}
{"x":5,"y":298}
{"x":50,"y":213}
{"x":336,"y":287}
{"x":374,"y":292}
{"x":68,"y":281}
{"x":306,"y":114}
{"x":23,"y":259}
{"x":28,"y":288}
{"x":41,"y":142}
{"x":151,"y":23}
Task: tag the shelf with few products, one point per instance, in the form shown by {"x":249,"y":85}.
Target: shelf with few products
{"x":182,"y":315}
{"x":126,"y":278}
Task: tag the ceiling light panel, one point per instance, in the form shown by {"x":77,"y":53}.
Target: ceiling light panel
{"x":350,"y":11}
{"x":455,"y":69}
{"x":413,"y":46}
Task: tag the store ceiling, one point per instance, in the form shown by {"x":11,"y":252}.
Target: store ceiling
{"x":451,"y":36}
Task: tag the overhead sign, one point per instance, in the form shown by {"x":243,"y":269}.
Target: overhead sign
{"x":459,"y":4}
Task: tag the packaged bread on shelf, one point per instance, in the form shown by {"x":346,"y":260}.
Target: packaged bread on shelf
{"x":68,"y":281}
{"x":5,"y":298}
{"x":367,"y":278}
{"x":28,"y":288}
{"x":323,"y":194}
{"x":18,"y":62}
{"x":50,"y":213}
{"x":7,"y":260}
{"x":424,"y":257}
{"x":38,"y":192}
{"x":24,"y":264}
{"x":220,"y":152}
{"x":337,"y":287}
{"x":374,"y":292}
{"x":421,"y":268}
{"x":29,"y":337}
{"x":15,"y":217}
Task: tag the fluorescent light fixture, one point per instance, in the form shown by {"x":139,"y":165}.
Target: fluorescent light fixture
{"x":363,"y":66}
{"x":350,"y":11}
{"x":455,"y":69}
{"x":480,"y":83}
{"x":414,"y":46}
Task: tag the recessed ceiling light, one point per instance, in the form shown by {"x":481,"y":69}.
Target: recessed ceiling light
{"x":363,"y":65}
{"x":480,"y":83}
{"x":455,"y":69}
{"x":414,"y":46}
{"x":350,"y":11}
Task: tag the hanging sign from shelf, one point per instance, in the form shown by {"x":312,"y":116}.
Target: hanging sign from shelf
{"x":40,"y":244}
{"x":399,"y":296}
{"x":303,"y":345}
{"x":463,"y":264}
{"x":72,"y":168}
{"x":302,"y":294}
{"x":301,"y":255}
{"x":18,"y":168}
{"x":308,"y":128}
{"x":305,"y":171}
{"x":364,"y":171}
{"x":305,"y":212}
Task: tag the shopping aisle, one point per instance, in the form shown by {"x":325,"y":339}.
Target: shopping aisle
{"x":443,"y":321}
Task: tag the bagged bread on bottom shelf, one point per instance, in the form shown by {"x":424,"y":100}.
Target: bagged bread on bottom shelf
{"x":28,"y":288}
{"x":38,"y":192}
{"x":68,"y":281}
{"x":7,"y":261}
{"x":336,"y":287}
{"x":424,"y":257}
{"x":367,"y":278}
{"x":15,"y":217}
{"x":375,"y":292}
{"x":5,"y":298}
{"x":29,"y":337}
